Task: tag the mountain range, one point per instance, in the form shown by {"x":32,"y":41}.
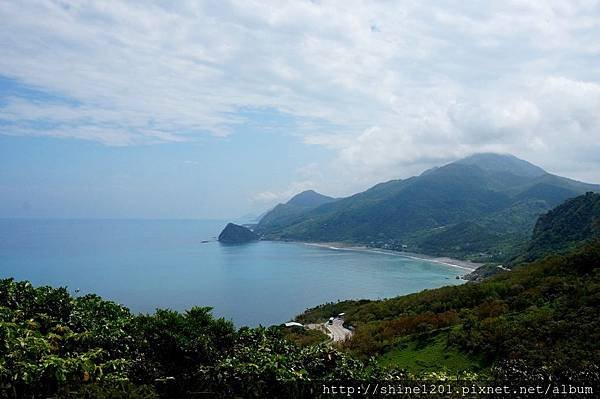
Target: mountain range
{"x":483,"y":207}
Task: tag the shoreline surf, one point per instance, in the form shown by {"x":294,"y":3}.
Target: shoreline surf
{"x":457,"y":263}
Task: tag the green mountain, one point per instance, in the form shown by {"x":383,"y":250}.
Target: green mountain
{"x":286,"y":214}
{"x":481,"y":207}
{"x":309,"y":199}
{"x":503,"y":163}
{"x":569,"y":225}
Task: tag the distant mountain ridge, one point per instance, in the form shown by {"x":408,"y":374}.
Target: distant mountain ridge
{"x":503,"y":163}
{"x":299,"y":204}
{"x":309,"y":199}
{"x":482,"y":207}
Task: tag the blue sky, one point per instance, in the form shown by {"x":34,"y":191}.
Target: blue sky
{"x":215,"y":109}
{"x":210,"y":177}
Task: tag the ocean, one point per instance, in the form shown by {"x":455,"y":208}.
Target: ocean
{"x":149,"y":264}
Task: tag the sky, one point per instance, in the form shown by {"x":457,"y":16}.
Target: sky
{"x":217,"y":109}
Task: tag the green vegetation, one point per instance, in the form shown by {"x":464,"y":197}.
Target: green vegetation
{"x":322,"y":312}
{"x":293,"y":210}
{"x":56,"y":345}
{"x":303,"y":336}
{"x":569,"y":225}
{"x":430,"y":353}
{"x":481,"y":208}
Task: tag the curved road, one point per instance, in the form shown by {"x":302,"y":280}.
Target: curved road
{"x":337,"y":331}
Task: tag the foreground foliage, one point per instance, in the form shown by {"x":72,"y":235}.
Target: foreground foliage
{"x":53,"y":344}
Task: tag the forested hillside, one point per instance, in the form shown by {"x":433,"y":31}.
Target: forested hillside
{"x":55,"y":345}
{"x":285,"y":214}
{"x":564,"y":227}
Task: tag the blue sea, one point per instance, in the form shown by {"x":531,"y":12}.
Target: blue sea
{"x":149,"y":264}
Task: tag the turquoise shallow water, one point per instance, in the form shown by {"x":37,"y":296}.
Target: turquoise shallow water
{"x":145,"y":264}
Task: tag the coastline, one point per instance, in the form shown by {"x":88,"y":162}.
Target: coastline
{"x":444,"y":260}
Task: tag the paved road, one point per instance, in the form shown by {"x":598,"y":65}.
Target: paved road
{"x":337,"y":331}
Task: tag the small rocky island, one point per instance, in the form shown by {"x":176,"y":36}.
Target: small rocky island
{"x":236,"y":234}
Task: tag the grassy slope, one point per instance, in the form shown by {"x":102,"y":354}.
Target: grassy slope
{"x":428,"y":353}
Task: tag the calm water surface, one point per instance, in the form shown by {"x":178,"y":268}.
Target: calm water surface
{"x":146,"y":264}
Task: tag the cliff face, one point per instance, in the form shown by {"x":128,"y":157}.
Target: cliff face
{"x":236,"y":234}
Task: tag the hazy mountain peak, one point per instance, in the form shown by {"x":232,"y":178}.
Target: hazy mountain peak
{"x":503,"y":163}
{"x":309,"y":198}
{"x":293,"y":209}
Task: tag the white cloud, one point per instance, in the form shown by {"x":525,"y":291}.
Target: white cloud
{"x":433,"y":81}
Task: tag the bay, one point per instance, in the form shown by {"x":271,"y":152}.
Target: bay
{"x":149,"y":264}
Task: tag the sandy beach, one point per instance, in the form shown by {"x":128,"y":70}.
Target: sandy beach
{"x":461,"y":264}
